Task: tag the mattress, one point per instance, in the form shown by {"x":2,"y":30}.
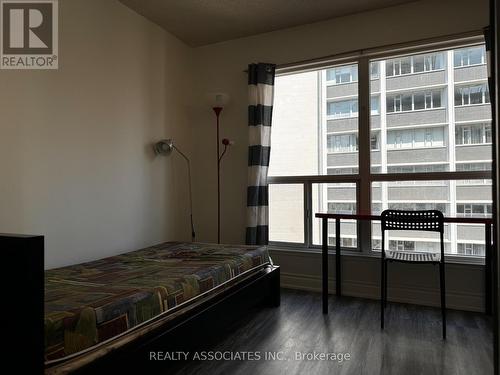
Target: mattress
{"x":90,"y":303}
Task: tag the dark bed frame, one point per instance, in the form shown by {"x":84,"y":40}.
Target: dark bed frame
{"x":197,"y":326}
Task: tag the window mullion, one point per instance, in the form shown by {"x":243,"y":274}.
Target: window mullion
{"x":364,"y":185}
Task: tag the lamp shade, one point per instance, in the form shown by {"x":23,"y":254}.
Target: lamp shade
{"x":217,"y":99}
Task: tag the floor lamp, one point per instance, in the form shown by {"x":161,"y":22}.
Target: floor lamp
{"x":218,"y":101}
{"x":165,"y":147}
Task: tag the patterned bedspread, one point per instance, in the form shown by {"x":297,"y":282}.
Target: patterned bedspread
{"x":88,"y":303}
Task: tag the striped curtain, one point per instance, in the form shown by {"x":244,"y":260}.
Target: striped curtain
{"x":260,"y":110}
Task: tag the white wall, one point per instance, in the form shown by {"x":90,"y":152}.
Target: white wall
{"x":75,"y":144}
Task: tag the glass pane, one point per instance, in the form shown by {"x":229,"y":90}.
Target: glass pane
{"x":315,"y":123}
{"x":338,"y":198}
{"x":462,"y":198}
{"x":417,"y":121}
{"x":286,"y":213}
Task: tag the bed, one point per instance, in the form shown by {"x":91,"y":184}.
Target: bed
{"x":99,"y":307}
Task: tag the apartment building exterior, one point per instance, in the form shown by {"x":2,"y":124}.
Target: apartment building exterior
{"x":428,"y":113}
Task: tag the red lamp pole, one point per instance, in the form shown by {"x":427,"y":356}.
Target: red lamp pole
{"x":217,"y":111}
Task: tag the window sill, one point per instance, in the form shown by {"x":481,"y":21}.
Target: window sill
{"x":303,"y":250}
{"x":416,"y":148}
{"x":474,"y":144}
{"x":469,"y":66}
{"x":472,"y":105}
{"x":415,"y":73}
{"x":415,"y":111}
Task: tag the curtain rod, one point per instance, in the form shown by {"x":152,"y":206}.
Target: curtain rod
{"x":474,"y":36}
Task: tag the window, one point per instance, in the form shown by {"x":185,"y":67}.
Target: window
{"x":469,"y":56}
{"x":413,"y":101}
{"x":343,"y":74}
{"x":415,"y":138}
{"x":474,"y":209}
{"x":374,"y":141}
{"x":344,"y":108}
{"x":330,"y":154}
{"x":473,"y":166}
{"x":286,"y":213}
{"x":414,"y":64}
{"x":342,"y":207}
{"x":419,"y":168}
{"x":469,"y":249}
{"x":374,"y":70}
{"x":374,"y":105}
{"x":342,"y":143}
{"x":474,"y":134}
{"x":469,"y":95}
{"x":401,"y":245}
{"x":418,"y":206}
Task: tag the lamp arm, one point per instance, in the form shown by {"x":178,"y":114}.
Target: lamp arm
{"x":223,"y":153}
{"x":193,"y":233}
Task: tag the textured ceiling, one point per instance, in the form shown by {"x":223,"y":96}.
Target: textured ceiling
{"x":201,"y":22}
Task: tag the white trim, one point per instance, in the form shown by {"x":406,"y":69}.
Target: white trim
{"x":429,"y":125}
{"x":413,"y":73}
{"x":473,"y":121}
{"x":473,"y":161}
{"x":417,"y":88}
{"x":469,"y":66}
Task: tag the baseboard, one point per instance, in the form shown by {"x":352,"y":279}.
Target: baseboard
{"x":404,"y":294}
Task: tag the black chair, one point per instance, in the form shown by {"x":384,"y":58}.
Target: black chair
{"x":432,"y":221}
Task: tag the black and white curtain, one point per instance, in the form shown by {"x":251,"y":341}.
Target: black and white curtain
{"x":260,"y":110}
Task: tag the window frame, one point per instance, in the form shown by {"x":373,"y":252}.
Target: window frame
{"x":365,"y":178}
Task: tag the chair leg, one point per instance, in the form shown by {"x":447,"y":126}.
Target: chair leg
{"x":382,"y":292}
{"x":386,"y":266}
{"x":443,"y":297}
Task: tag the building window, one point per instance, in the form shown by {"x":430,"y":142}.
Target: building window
{"x":470,"y":249}
{"x":469,"y":56}
{"x":374,"y":70}
{"x":343,"y":74}
{"x":415,"y":138}
{"x":402,"y":245}
{"x":414,"y":64}
{"x":341,"y":208}
{"x":342,"y":143}
{"x":474,"y":134}
{"x":342,"y":109}
{"x":419,"y":168}
{"x":374,"y":141}
{"x":329,"y":154}
{"x":473,"y":167}
{"x":375,"y":105}
{"x":474,"y":94}
{"x":344,"y":241}
{"x":419,"y":206}
{"x":413,"y":101}
{"x":474,"y":209}
{"x":340,"y":171}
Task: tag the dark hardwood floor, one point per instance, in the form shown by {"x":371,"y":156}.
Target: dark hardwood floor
{"x":410,"y":344}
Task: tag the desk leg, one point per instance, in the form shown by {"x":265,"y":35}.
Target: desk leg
{"x":324,"y":264}
{"x":338,"y":260}
{"x":488,"y":279}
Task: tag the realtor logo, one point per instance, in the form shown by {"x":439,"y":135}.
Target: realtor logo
{"x":29,"y":37}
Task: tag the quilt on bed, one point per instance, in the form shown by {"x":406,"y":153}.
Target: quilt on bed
{"x":88,"y":303}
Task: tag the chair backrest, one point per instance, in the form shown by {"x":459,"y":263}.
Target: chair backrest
{"x":429,"y":220}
